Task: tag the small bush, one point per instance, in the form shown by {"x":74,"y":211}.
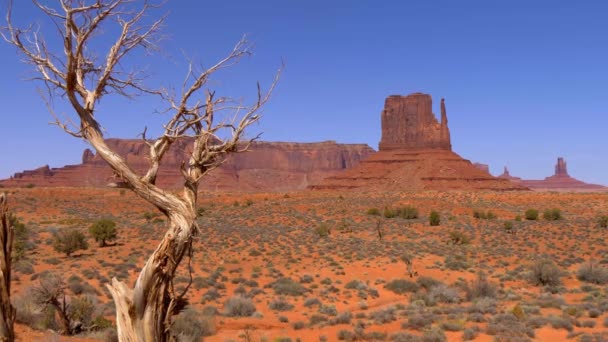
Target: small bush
{"x":546,"y":273}
{"x":287,"y":286}
{"x":192,"y":325}
{"x":69,"y":242}
{"x":480,"y":214}
{"x":323,"y":230}
{"x":401,"y":286}
{"x":280,"y":304}
{"x":434,"y":218}
{"x":408,"y":213}
{"x":459,"y":238}
{"x":481,"y":287}
{"x":602,"y":221}
{"x":508,"y":226}
{"x":373,"y":212}
{"x":103,"y":230}
{"x":531,"y":215}
{"x":389,"y":213}
{"x":592,"y":273}
{"x":239,"y":306}
{"x":552,"y":214}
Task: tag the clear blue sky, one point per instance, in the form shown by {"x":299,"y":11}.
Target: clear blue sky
{"x":524,"y":81}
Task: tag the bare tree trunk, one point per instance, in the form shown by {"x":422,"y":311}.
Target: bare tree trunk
{"x":7,"y":316}
{"x":144,"y":312}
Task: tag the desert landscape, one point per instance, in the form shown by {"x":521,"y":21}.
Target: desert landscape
{"x":200,"y":228}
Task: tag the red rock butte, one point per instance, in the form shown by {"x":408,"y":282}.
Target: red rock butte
{"x":268,"y":166}
{"x":415,"y":154}
{"x":560,"y":181}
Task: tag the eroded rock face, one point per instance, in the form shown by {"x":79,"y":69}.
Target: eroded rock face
{"x":415,"y":154}
{"x":269,"y":166}
{"x":561,"y":169}
{"x":408,"y":122}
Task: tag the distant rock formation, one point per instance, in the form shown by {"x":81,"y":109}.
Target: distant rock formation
{"x":506,"y":175}
{"x":269,"y":166}
{"x":561,"y":169}
{"x":415,"y":154}
{"x":408,"y":122}
{"x":560,"y":181}
{"x":482,"y":167}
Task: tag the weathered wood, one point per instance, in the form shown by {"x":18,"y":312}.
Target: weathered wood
{"x":144,"y":312}
{"x":7,"y":316}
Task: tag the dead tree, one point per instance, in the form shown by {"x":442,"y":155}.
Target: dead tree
{"x":7,"y":316}
{"x":409,"y":264}
{"x":379,"y":229}
{"x":74,"y":72}
{"x":50,"y":292}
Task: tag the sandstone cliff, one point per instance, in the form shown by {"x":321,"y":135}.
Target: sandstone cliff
{"x":408,"y":122}
{"x":269,"y":166}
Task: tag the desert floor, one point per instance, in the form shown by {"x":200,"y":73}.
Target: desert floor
{"x":312,"y":266}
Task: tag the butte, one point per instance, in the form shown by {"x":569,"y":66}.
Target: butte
{"x":415,"y":153}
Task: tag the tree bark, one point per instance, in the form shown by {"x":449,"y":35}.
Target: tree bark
{"x":7,"y":316}
{"x":143,"y":313}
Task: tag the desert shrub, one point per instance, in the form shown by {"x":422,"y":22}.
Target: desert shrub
{"x":602,"y":221}
{"x":480,"y":287}
{"x":312,"y":302}
{"x":545,"y":272}
{"x":307,"y":278}
{"x":434,"y":334}
{"x":280,"y":304}
{"x":427,"y":282}
{"x":418,"y":321}
{"x":459,"y":238}
{"x":81,"y":310}
{"x":342,"y":318}
{"x":383,"y":316}
{"x":508,"y":226}
{"x":592,"y":273}
{"x":452,"y":325}
{"x":469,"y":334}
{"x":506,"y":327}
{"x":323,"y":230}
{"x":404,"y":337}
{"x":434,"y":218}
{"x":480,"y":214}
{"x":191,"y":325}
{"x":69,"y":242}
{"x":552,"y":214}
{"x":483,"y":305}
{"x":329,"y":310}
{"x":531,"y":214}
{"x":560,"y":323}
{"x":355,"y":285}
{"x":103,"y":230}
{"x":298,"y":325}
{"x":443,"y":294}
{"x":401,"y":286}
{"x":389,"y":213}
{"x":456,"y":262}
{"x":287,"y":286}
{"x":408,"y":212}
{"x":317,"y":318}
{"x":373,"y":212}
{"x":20,"y":237}
{"x":239,"y":306}
{"x":346,"y":335}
